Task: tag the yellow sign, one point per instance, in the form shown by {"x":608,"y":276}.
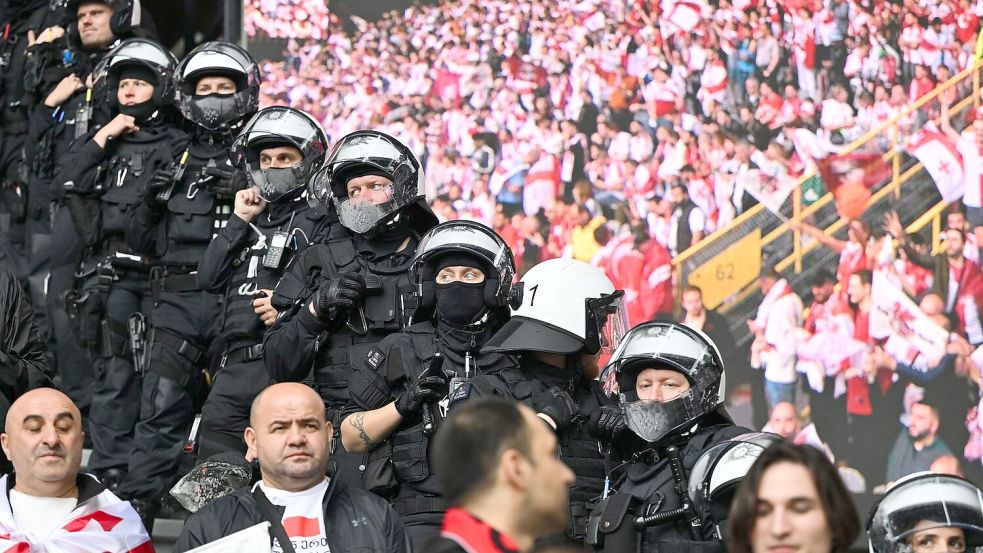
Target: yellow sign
{"x":730,"y":271}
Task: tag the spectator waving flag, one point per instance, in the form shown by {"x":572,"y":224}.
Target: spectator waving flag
{"x":942,"y":161}
{"x":100,"y":523}
{"x":770,"y":188}
{"x":681,"y":17}
{"x":849,"y":177}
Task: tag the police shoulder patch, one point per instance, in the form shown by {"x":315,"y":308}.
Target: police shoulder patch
{"x":375,"y":358}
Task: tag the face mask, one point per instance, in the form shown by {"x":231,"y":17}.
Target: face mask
{"x":212,"y":111}
{"x":142,"y":112}
{"x":460,"y":303}
{"x":276,"y":184}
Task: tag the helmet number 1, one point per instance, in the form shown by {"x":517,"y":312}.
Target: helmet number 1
{"x":532,"y":299}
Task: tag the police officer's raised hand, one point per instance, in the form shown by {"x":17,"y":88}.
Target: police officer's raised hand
{"x":423,"y":391}
{"x":64,"y":90}
{"x":249,"y":204}
{"x":607,"y":422}
{"x":120,"y":125}
{"x":342,"y":292}
{"x":556,"y":405}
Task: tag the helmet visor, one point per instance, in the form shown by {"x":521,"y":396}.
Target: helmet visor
{"x":278,"y":124}
{"x":362,"y":213}
{"x":653,"y":420}
{"x":668,"y":346}
{"x":462,"y":237}
{"x":924,"y":503}
{"x":609,"y":316}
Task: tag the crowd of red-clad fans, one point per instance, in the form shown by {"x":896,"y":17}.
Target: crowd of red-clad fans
{"x":622,"y":133}
{"x":567,"y":124}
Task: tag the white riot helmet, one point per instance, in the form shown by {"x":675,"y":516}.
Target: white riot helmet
{"x":923,"y":502}
{"x":718,"y":471}
{"x":563,"y":306}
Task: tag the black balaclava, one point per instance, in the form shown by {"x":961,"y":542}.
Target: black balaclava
{"x":143,"y":111}
{"x":460,"y":303}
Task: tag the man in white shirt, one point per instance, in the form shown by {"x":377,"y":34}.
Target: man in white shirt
{"x":47,"y":505}
{"x":290,"y":436}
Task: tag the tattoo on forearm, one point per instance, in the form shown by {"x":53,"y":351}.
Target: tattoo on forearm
{"x":358,"y":423}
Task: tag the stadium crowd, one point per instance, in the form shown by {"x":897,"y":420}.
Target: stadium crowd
{"x":363,"y":232}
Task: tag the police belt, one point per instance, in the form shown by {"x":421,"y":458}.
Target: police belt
{"x":244,"y":354}
{"x":161,"y":281}
{"x":420,"y":504}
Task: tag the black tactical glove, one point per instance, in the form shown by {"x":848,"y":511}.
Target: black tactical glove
{"x":423,"y":391}
{"x":224,"y":181}
{"x":557,"y":405}
{"x":341,"y":292}
{"x":607,"y":422}
{"x":159,"y":181}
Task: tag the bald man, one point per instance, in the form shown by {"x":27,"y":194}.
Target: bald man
{"x":47,"y":504}
{"x":289,"y":434}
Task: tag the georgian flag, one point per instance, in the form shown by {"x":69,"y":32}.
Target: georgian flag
{"x":680,"y":17}
{"x":942,"y":161}
{"x":103,"y":523}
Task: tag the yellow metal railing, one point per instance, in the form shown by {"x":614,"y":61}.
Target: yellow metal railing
{"x":968,"y":80}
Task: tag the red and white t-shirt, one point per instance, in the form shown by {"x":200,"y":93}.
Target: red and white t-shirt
{"x":303,"y":517}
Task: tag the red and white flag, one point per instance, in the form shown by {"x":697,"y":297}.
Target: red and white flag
{"x":102,"y":523}
{"x":942,"y":161}
{"x":770,"y":189}
{"x":680,"y":17}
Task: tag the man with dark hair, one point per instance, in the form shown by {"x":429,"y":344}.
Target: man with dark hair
{"x":714,"y":325}
{"x":918,"y":445}
{"x":499,"y":469}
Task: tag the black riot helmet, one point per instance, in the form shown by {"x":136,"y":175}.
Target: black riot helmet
{"x":923,"y":501}
{"x":719,"y":469}
{"x":369,"y":152}
{"x":217,"y":111}
{"x":672,"y":346}
{"x":464,"y":243}
{"x":274,"y":127}
{"x":138,"y":58}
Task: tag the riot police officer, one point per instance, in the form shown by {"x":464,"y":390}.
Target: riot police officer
{"x":21,"y":21}
{"x":568,"y":313}
{"x":185,"y":202}
{"x":105,"y":176}
{"x":58,"y":66}
{"x":669,"y":378}
{"x":926,"y":512}
{"x":272,"y":223}
{"x":340,"y":298}
{"x":463,"y":275}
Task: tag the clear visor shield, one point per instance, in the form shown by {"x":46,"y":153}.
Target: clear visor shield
{"x":278,"y":124}
{"x":912,"y":514}
{"x":377,"y":152}
{"x":367,"y":207}
{"x":463,"y":238}
{"x":140,"y":50}
{"x":668,"y":345}
{"x":653,"y":420}
{"x":609,"y":316}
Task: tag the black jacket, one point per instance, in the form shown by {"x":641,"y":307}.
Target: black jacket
{"x":24,"y":363}
{"x":649,"y":482}
{"x":355,"y":520}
